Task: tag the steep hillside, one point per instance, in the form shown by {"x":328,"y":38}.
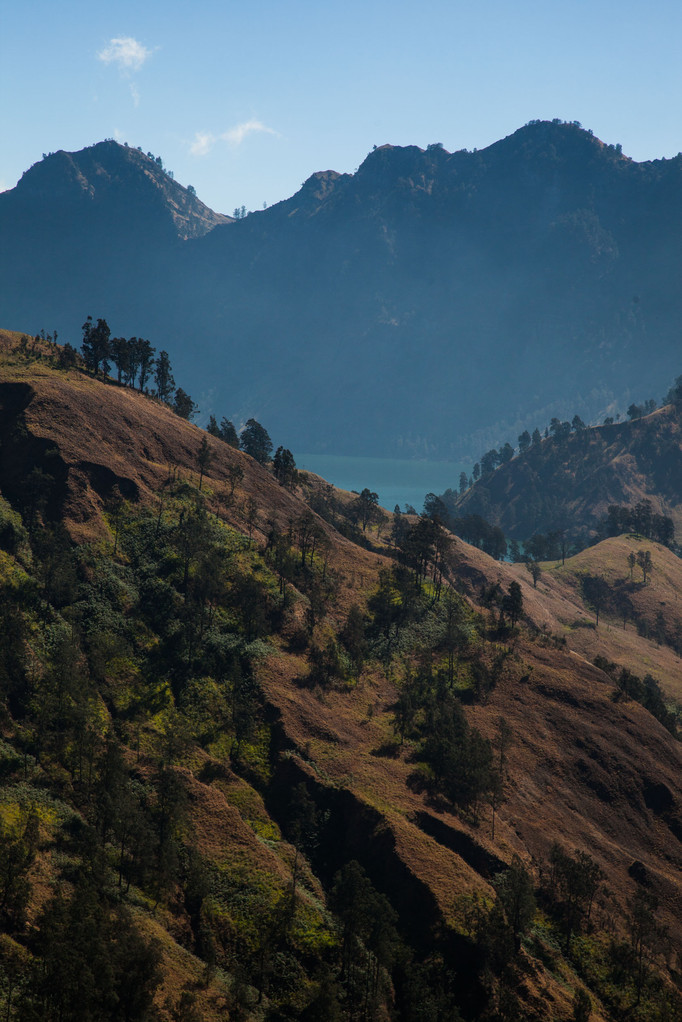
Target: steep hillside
{"x":568,"y":482}
{"x":518,"y":270}
{"x":214,"y":707}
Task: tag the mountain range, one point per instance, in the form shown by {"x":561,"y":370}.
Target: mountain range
{"x":384,"y":312}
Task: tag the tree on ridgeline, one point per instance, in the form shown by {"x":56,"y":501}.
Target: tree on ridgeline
{"x":183,"y":405}
{"x":163,"y":377}
{"x":120,"y":356}
{"x":365,"y":508}
{"x":256,"y":442}
{"x":145,"y":361}
{"x":284,"y":467}
{"x":133,"y":361}
{"x":228,"y":434}
{"x":96,"y":349}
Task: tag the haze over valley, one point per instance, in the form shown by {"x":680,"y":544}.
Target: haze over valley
{"x":428,"y":306}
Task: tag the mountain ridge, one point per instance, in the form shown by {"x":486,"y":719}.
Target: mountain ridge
{"x":568,"y":482}
{"x":519,"y":268}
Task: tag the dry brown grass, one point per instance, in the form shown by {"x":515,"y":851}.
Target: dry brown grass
{"x":580,"y":764}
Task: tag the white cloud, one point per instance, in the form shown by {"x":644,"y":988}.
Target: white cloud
{"x":235,"y":136}
{"x":204,"y":141}
{"x":135,"y":93}
{"x":202,"y":144}
{"x":126,"y":53}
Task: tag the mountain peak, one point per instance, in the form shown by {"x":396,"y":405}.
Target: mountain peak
{"x":109,"y":174}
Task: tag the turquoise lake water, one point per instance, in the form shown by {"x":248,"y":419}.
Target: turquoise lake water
{"x":396,"y":481}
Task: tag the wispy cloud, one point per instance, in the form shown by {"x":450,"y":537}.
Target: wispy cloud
{"x":135,"y":93}
{"x":204,"y":141}
{"x":235,"y":136}
{"x":126,"y":53}
{"x":202,"y":144}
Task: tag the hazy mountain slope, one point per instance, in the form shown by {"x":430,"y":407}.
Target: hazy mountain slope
{"x":568,"y":483}
{"x":426,"y":289}
{"x":89,"y":231}
{"x":595,"y":774}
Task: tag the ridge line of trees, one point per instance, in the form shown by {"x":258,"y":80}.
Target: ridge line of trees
{"x":559,"y":431}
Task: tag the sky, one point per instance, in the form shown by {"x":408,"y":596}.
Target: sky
{"x":245,"y":100}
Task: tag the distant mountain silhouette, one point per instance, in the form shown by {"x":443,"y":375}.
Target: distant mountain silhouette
{"x":431,"y":304}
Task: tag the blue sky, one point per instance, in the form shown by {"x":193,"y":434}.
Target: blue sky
{"x":246,"y":100}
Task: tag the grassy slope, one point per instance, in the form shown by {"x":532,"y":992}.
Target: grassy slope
{"x":579,"y":764}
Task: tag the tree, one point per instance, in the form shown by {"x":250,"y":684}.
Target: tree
{"x":163,"y":377}
{"x":536,"y":437}
{"x":284,"y":467}
{"x":646,"y":936}
{"x":183,"y":405}
{"x":515,"y":891}
{"x":352,"y":635}
{"x":67,"y":357}
{"x":95,"y":347}
{"x":506,"y":454}
{"x":235,"y":474}
{"x":463,"y":482}
{"x":644,"y":561}
{"x":582,"y":1006}
{"x":435,"y":508}
{"x":120,"y":356}
{"x":302,"y":829}
{"x":365,"y":507}
{"x":535,"y":571}
{"x":489,"y":462}
{"x":251,"y":515}
{"x":256,"y":442}
{"x":369,"y":937}
{"x":503,"y":740}
{"x":213,"y":427}
{"x":674,"y":396}
{"x":204,"y":459}
{"x":228,"y":434}
{"x":512,"y":603}
{"x":132,"y":361}
{"x":632,"y":561}
{"x":524,"y":441}
{"x":574,"y":883}
{"x":596,"y":593}
{"x":145,"y":361}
